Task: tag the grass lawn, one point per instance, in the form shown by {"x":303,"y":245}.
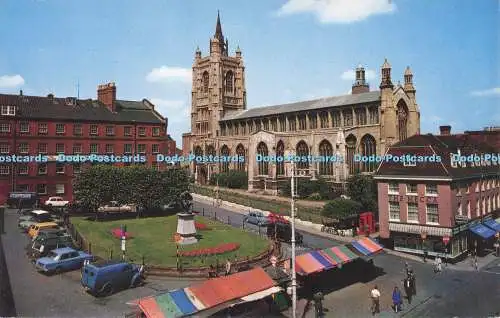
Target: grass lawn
{"x":153,"y":239}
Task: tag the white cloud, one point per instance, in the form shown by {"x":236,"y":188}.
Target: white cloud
{"x":338,"y":11}
{"x":11,"y":81}
{"x":487,"y":92}
{"x":350,"y":75}
{"x":168,"y":73}
{"x":177,"y":111}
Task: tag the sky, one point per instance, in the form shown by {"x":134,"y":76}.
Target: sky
{"x":293,"y":50}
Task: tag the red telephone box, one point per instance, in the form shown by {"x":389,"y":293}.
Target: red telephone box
{"x":366,"y":223}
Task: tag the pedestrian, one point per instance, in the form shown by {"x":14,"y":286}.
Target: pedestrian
{"x":375,"y":295}
{"x":396,"y":299}
{"x":408,"y":291}
{"x":475,"y":262}
{"x":228,"y":267}
{"x":439,"y":264}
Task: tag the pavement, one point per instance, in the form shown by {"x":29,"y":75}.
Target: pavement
{"x":458,"y":291}
{"x":37,"y":295}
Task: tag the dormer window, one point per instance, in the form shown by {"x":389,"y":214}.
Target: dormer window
{"x":8,"y":110}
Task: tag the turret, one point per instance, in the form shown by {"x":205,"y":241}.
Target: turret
{"x":386,"y":76}
{"x":360,"y":85}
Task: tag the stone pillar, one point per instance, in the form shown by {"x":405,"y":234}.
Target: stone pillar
{"x":308,"y":126}
{"x":287,"y":123}
{"x":354,"y":119}
{"x":341,"y":118}
{"x":330,"y":125}
{"x":367,"y":114}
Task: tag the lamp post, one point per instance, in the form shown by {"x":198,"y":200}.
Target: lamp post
{"x":423,"y":235}
{"x":292,"y":215}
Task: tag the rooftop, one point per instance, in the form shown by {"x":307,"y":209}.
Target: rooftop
{"x":70,"y":108}
{"x":442,"y":146}
{"x":316,"y":104}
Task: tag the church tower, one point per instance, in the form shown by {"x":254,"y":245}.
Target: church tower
{"x":218,"y":86}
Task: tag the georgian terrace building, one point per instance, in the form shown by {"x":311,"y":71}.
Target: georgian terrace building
{"x":365,"y":122}
{"x":442,"y":207}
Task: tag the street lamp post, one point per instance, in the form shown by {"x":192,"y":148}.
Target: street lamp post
{"x":292,"y":214}
{"x":423,"y":235}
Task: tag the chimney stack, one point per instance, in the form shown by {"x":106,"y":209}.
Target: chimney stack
{"x":445,"y":130}
{"x":50,"y":96}
{"x":21,"y":92}
{"x":106,"y":94}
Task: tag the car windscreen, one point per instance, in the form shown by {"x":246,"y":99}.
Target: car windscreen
{"x":51,"y":255}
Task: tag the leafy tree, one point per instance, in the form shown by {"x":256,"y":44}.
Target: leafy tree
{"x":363,"y":189}
{"x":341,"y":208}
{"x":233,"y":179}
{"x":318,"y":189}
{"x":137,"y":184}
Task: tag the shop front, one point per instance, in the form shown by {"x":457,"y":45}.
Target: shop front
{"x":429,"y":240}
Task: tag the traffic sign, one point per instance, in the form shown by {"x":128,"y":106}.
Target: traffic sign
{"x":446,"y":240}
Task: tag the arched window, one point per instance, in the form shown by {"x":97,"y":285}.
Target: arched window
{"x":224,"y":161}
{"x":198,"y":152}
{"x":206,"y":80}
{"x":325,"y":150}
{"x":211,"y":150}
{"x":280,"y":153}
{"x":368,"y":148}
{"x":229,"y":82}
{"x":350,"y":149}
{"x":263,"y":165}
{"x":240,"y":152}
{"x":402,"y":120}
{"x":302,"y":151}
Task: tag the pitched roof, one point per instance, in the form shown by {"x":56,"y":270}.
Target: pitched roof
{"x":326,"y":102}
{"x":38,"y":107}
{"x":444,"y":147}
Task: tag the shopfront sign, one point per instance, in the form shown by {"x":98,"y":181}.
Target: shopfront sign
{"x":413,"y":199}
{"x":461,"y":219}
{"x":446,"y":240}
{"x":461,"y":228}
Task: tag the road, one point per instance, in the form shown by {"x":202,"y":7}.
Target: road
{"x":37,"y":295}
{"x":310,"y":241}
{"x":451,"y":293}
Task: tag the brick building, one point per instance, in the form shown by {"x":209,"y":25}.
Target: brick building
{"x":33,"y":125}
{"x":422,"y":203}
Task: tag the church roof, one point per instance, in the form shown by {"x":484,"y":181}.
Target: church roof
{"x":326,"y":102}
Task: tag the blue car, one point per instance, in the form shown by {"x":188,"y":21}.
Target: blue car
{"x":62,"y":259}
{"x":104,"y":278}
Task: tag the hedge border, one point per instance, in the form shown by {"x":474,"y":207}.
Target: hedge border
{"x":303,"y":212}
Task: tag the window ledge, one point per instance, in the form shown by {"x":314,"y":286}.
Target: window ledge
{"x":432,"y":223}
{"x":395,"y":220}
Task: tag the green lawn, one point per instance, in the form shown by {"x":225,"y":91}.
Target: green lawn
{"x":153,"y":239}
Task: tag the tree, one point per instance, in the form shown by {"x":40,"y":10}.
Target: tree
{"x":363,"y":189}
{"x":341,"y":208}
{"x":145,"y":187}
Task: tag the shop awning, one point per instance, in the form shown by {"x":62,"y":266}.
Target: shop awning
{"x":262,"y":294}
{"x":481,"y":230}
{"x":492,"y":224}
{"x":367,"y":246}
{"x":317,"y":261}
{"x":206,"y":295}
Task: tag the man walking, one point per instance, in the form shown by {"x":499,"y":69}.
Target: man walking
{"x":228,"y":267}
{"x":396,"y":299}
{"x":375,"y":295}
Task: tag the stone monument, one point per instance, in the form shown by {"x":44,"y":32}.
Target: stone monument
{"x":186,"y":230}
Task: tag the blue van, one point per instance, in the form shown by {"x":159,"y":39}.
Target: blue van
{"x":103,"y":278}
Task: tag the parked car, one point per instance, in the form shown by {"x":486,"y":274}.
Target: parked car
{"x":257,"y":218}
{"x":33,"y":230}
{"x":283,"y":232}
{"x":34,"y":217}
{"x":114,"y":206}
{"x":106,"y":277}
{"x":22,"y":199}
{"x":41,"y":246}
{"x":56,"y":202}
{"x":62,"y":259}
{"x":50,"y":232}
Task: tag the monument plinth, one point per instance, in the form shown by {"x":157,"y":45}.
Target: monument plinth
{"x":186,"y":229}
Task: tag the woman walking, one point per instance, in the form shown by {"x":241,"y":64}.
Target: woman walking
{"x":397,"y":300}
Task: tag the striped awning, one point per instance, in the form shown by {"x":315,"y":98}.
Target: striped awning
{"x":367,"y":246}
{"x":317,"y":261}
{"x":418,"y":229}
{"x":208,"y":294}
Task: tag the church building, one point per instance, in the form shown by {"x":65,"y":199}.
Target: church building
{"x":364,"y":122}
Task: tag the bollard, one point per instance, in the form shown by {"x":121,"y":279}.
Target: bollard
{"x":228,"y":220}
{"x":243,"y":224}
{"x":215,"y":215}
{"x":110,"y":254}
{"x":90,"y":248}
{"x":203,"y":211}
{"x":2,"y":219}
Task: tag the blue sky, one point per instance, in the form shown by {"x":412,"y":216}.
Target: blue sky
{"x":293,"y":50}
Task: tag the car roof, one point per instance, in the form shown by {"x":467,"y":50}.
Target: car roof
{"x":107,"y":263}
{"x":39,"y":212}
{"x":63,"y":250}
{"x":46,"y":224}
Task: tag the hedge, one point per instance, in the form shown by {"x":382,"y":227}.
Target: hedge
{"x":317,"y":190}
{"x":304,"y":213}
{"x":233,"y":179}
